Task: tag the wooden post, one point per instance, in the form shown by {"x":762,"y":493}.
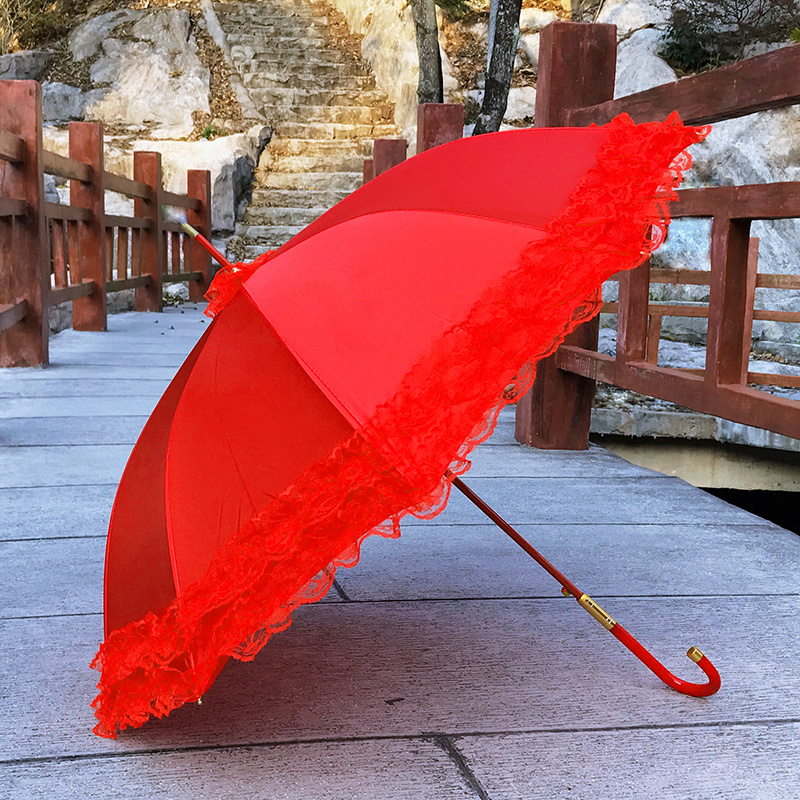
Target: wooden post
{"x":86,"y":144}
{"x":26,"y":343}
{"x":388,"y":153}
{"x":730,"y":309}
{"x":147,"y":169}
{"x":632,"y":330}
{"x":198,"y":183}
{"x":577,"y":64}
{"x":369,"y":171}
{"x":438,"y":123}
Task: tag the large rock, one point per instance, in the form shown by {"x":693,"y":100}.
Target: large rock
{"x":639,"y":65}
{"x":148,"y":67}
{"x":231,"y":161}
{"x":521,"y":104}
{"x":628,"y":15}
{"x":87,"y":38}
{"x":27,"y":65}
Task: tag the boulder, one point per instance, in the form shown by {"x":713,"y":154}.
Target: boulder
{"x":155,"y":77}
{"x":231,"y":161}
{"x":628,"y":15}
{"x":27,"y":65}
{"x":639,"y":65}
{"x":521,"y":103}
{"x":87,"y":38}
{"x":62,"y":103}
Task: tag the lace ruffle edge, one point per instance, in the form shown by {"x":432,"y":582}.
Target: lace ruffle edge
{"x":448,"y":404}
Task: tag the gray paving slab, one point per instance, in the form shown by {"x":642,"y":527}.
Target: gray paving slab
{"x":85,"y":387}
{"x":354,"y":670}
{"x":51,"y":431}
{"x":647,"y":500}
{"x":77,"y":372}
{"x":55,"y":511}
{"x":442,"y":561}
{"x":52,"y":577}
{"x":62,"y":465}
{"x":37,"y":407}
{"x":413,"y":769}
{"x":462,"y":562}
{"x":514,"y":461}
{"x":747,"y":762}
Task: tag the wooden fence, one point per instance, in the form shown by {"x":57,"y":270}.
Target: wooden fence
{"x":51,"y":253}
{"x":577,"y":64}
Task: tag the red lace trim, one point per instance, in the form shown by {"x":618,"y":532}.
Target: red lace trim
{"x":447,"y":405}
{"x":229,"y":280}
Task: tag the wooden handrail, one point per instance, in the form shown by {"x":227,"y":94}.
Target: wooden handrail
{"x":113,"y":221}
{"x":701,"y":311}
{"x":11,"y":314}
{"x":12,"y":208}
{"x":12,"y":148}
{"x":74,"y":213}
{"x":122,"y":185}
{"x":181,"y":201}
{"x":771,"y":80}
{"x":63,"y":167}
{"x":779,"y":200}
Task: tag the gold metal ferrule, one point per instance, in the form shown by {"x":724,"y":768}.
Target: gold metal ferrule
{"x":189,"y":229}
{"x":694,"y":654}
{"x":606,"y":620}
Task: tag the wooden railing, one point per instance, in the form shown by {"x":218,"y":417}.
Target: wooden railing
{"x":51,"y":253}
{"x":576,"y":83}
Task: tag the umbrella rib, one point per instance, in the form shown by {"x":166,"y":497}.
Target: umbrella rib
{"x":608,"y":622}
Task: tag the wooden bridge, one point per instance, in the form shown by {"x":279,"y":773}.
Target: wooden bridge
{"x":445,"y":665}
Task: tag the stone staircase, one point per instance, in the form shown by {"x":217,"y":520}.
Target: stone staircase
{"x":304,"y":72}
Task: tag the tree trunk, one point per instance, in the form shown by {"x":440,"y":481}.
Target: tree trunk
{"x":430,"y":88}
{"x":501,"y":66}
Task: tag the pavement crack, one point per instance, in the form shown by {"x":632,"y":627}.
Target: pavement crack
{"x":457,"y":757}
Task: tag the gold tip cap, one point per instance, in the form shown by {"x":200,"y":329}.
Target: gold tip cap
{"x":565,"y":591}
{"x":189,"y":229}
{"x":694,"y":654}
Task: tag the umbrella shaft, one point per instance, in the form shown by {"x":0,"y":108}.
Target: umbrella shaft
{"x":518,"y":538}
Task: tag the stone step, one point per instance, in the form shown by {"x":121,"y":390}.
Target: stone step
{"x":327,"y":148}
{"x":271,"y":216}
{"x":294,"y":98}
{"x":350,"y":115}
{"x":244,"y":12}
{"x":272,"y":50}
{"x":311,"y":181}
{"x":334,"y":130}
{"x":270,"y":24}
{"x":269,"y":235}
{"x":308,"y":80}
{"x":301,"y":66}
{"x":296,"y":198}
{"x":253,"y":251}
{"x":277,"y":42}
{"x":251,"y":59}
{"x":322,"y":162}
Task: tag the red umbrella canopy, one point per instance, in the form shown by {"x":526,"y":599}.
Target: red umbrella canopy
{"x":347,"y":376}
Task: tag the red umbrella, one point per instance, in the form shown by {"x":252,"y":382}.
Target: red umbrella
{"x":343,"y":383}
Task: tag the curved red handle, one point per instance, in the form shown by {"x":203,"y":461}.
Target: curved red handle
{"x":678,"y":684}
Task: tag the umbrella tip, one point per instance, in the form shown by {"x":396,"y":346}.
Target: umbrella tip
{"x":189,"y":229}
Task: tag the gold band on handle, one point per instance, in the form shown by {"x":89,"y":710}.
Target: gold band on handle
{"x":694,"y":654}
{"x":606,"y":620}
